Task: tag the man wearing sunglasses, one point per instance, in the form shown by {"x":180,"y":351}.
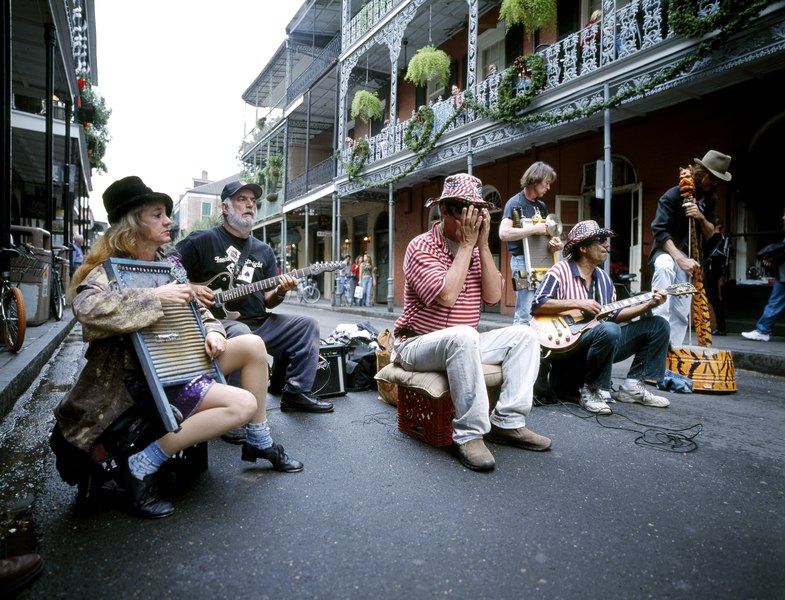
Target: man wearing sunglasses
{"x":449,"y":273}
{"x":578,"y":285}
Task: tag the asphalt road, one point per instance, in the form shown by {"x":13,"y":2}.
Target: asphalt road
{"x":376,"y":514}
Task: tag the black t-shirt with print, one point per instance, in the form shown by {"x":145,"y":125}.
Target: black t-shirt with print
{"x":210,"y":257}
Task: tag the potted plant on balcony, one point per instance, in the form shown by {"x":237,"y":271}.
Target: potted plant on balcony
{"x":93,"y":114}
{"x":427,"y":64}
{"x":366,"y":106}
{"x":532,"y":14}
{"x":271,"y":173}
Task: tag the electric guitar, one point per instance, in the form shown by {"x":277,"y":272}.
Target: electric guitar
{"x":559,"y":333}
{"x":224,"y":291}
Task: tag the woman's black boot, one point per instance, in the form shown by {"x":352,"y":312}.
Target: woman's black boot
{"x":144,"y":502}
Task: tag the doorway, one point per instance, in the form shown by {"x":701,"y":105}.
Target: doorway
{"x":382,"y":251}
{"x":627,"y":223}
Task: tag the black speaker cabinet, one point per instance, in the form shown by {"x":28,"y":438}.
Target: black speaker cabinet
{"x":330,"y":371}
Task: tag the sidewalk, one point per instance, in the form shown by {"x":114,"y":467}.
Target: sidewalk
{"x":18,"y":371}
{"x":761,"y":357}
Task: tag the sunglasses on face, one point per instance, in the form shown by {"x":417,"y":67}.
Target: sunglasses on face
{"x":601,"y":240}
{"x":455,"y":208}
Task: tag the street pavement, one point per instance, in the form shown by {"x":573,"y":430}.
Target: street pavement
{"x":617,"y":508}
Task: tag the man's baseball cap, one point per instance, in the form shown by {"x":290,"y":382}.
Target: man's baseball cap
{"x":230,"y":189}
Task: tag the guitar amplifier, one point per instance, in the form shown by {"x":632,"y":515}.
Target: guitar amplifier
{"x":330,"y":371}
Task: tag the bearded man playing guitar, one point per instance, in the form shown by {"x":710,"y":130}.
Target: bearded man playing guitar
{"x":230,"y":251}
{"x":576,"y":316}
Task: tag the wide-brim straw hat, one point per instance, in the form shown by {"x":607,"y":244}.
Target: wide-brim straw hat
{"x":583,"y":231}
{"x":463,"y":187}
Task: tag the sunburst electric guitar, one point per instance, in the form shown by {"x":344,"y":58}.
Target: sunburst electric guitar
{"x":559,"y":333}
{"x":224,"y":291}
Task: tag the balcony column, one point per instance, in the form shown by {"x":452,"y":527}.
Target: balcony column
{"x":307,"y":236}
{"x":49,"y":47}
{"x":336,"y":231}
{"x":307,"y":137}
{"x":343,"y":81}
{"x":391,"y":248}
{"x":346,"y":18}
{"x":284,"y":226}
{"x":68,"y":207}
{"x":5,"y":193}
{"x":608,"y":184}
{"x":471,"y":67}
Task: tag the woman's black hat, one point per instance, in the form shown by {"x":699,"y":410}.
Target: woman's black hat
{"x":125,"y":193}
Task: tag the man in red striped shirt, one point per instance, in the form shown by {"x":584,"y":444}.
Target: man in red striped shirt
{"x":449,"y":272}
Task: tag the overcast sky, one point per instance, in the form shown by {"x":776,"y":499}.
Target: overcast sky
{"x":173,"y":73}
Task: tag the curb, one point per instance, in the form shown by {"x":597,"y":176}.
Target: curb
{"x":41,"y":349}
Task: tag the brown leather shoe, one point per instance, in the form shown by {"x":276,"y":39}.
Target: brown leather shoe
{"x":520,"y":438}
{"x":474,"y":455}
{"x":18,"y":571}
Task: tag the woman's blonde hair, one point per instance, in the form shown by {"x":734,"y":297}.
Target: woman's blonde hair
{"x":119,"y":241}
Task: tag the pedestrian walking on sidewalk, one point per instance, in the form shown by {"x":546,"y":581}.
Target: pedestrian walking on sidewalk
{"x":776,"y":304}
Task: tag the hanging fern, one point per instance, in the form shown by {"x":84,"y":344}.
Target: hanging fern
{"x":366,"y":105}
{"x":532,"y":14}
{"x":428,"y":63}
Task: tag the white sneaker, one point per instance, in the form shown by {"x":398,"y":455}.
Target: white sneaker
{"x":637,"y":393}
{"x":756,"y":335}
{"x":591,"y":400}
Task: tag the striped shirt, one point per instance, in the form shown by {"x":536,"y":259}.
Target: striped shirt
{"x":563,"y":281}
{"x":425,"y":266}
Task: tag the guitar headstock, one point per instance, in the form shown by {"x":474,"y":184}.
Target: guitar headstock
{"x":322,"y":267}
{"x":681,"y":289}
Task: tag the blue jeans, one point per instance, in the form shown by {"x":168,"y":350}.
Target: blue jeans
{"x":292,"y":338}
{"x":523,"y":298}
{"x":675,"y":309}
{"x":774,"y":308}
{"x":342,"y":289}
{"x":367,"y":284}
{"x":461,"y":351}
{"x":598,"y":349}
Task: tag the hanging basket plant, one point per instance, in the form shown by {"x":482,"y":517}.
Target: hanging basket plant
{"x":532,"y":14}
{"x":271,"y":174}
{"x":427,"y":64}
{"x":366,"y":106}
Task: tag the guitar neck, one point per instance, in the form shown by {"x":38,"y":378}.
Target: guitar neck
{"x":606,"y":309}
{"x":259,"y":286}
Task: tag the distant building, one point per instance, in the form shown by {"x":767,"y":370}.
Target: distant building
{"x":203,"y":200}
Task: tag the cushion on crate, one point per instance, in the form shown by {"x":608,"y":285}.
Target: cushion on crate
{"x":432,"y":383}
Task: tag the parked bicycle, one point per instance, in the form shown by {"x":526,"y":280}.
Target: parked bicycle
{"x":307,"y":291}
{"x":12,"y":307}
{"x":58,"y":293}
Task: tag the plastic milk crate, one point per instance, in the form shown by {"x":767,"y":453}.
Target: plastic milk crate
{"x":425,"y":407}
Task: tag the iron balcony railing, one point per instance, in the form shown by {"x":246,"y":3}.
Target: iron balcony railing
{"x":623,"y":33}
{"x":371,"y":13}
{"x":319,"y":66}
{"x":317,"y":175}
